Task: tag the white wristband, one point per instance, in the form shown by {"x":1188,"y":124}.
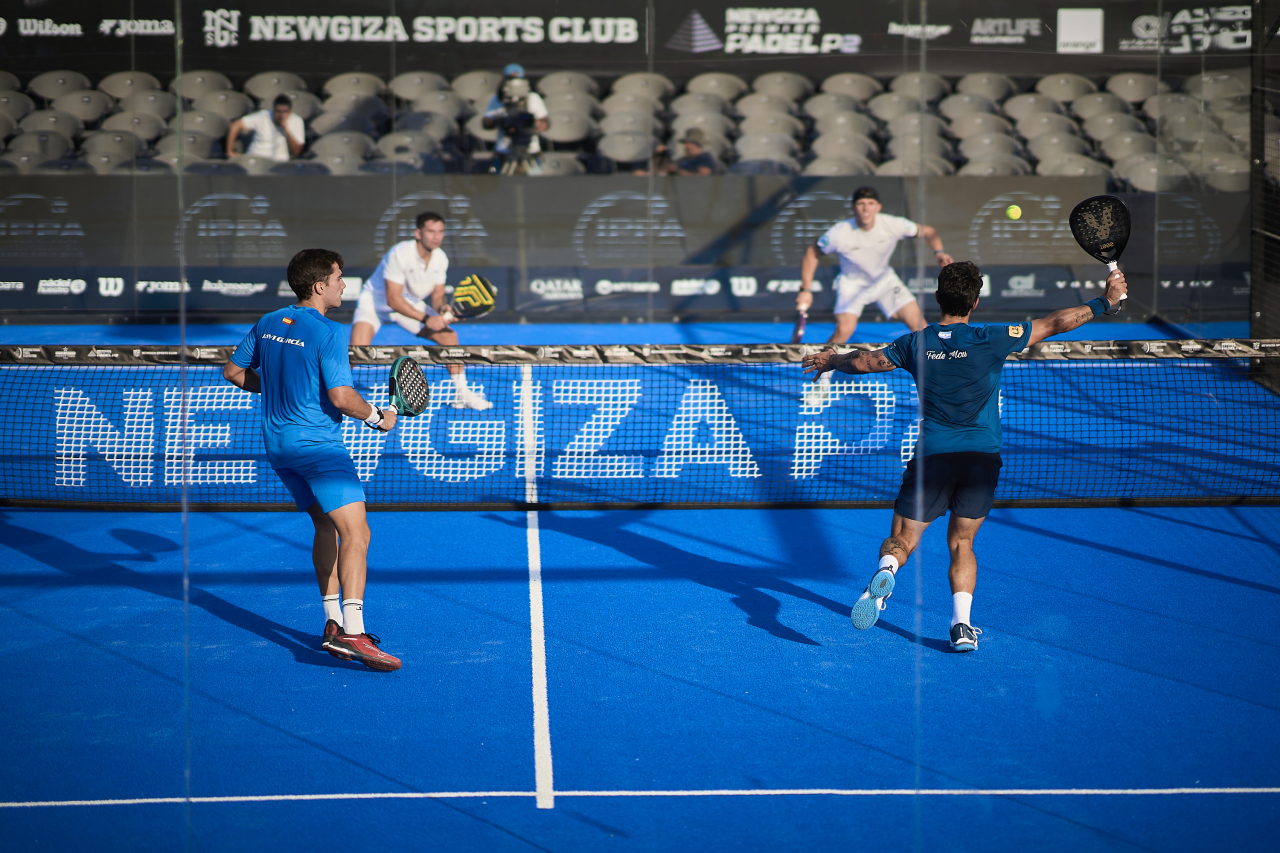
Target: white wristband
{"x":375,"y":417}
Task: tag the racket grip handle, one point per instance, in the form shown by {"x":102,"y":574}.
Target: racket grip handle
{"x":390,"y":407}
{"x":1113,"y":266}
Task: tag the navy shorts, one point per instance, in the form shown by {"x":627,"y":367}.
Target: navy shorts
{"x":964,"y":483}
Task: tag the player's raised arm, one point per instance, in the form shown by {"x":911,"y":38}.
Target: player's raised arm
{"x":1066,"y":319}
{"x":856,"y":363}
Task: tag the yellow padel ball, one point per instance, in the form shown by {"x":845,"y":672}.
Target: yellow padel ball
{"x":1013,"y":212}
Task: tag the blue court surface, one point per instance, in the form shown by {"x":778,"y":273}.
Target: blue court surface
{"x":643,"y":680}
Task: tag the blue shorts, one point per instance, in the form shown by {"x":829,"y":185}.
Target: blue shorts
{"x":964,"y":483}
{"x":319,"y":473}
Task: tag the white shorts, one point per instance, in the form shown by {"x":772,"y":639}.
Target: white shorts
{"x":369,"y":310}
{"x":888,"y":291}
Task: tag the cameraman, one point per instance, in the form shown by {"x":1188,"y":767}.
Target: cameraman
{"x":520,"y":115}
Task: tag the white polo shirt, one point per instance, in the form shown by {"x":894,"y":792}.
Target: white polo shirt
{"x":403,"y":264}
{"x":864,"y":255}
{"x":268,"y":140}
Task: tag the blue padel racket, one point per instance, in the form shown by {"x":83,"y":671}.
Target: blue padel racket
{"x":409,"y":390}
{"x":1101,"y":227}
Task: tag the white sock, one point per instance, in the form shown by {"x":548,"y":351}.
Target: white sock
{"x":460,"y":380}
{"x":960,"y":604}
{"x":890,"y":562}
{"x":353,"y":615}
{"x":332,"y":608}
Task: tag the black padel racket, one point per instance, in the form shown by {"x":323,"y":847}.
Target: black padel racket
{"x":410,"y":392}
{"x":1101,"y":227}
{"x":474,"y":296}
{"x":797,"y":333}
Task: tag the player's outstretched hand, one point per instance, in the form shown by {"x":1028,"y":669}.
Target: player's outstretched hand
{"x":1117,"y":287}
{"x":944,"y":259}
{"x":819,"y":363}
{"x":803,"y":300}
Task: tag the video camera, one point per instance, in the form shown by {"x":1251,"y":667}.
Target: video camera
{"x":516,"y":123}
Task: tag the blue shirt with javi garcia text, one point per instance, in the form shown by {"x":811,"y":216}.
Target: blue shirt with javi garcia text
{"x":299,"y":354}
{"x":959,"y":386}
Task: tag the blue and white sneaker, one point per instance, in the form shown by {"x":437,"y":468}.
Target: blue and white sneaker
{"x":866,"y":610}
{"x":964,"y":638}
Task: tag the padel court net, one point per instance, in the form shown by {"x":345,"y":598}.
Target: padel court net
{"x":1087,"y":423}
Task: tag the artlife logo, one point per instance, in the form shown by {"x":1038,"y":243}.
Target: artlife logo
{"x":794,"y":30}
{"x":221,"y":27}
{"x":1196,"y":30}
{"x":1004,"y":30}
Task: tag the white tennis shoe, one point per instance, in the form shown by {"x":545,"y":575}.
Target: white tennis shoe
{"x":468,"y":399}
{"x":866,"y":610}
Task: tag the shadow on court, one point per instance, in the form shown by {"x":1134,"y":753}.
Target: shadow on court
{"x":90,"y":568}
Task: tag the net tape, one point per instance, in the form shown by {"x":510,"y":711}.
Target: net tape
{"x":1087,"y":422}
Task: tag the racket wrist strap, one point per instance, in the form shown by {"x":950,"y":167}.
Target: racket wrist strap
{"x":1099,"y":305}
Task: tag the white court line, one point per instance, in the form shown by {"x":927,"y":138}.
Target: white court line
{"x":723,"y":792}
{"x":542,"y":774}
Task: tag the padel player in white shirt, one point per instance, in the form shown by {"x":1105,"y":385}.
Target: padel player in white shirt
{"x":407,"y":289}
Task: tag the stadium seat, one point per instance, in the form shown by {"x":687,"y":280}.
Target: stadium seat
{"x":927,"y":88}
{"x":727,"y":86}
{"x":759,"y":103}
{"x":780,"y":166}
{"x":23,"y":162}
{"x":965,"y":103}
{"x":435,"y":125}
{"x":845,"y":146}
{"x":7,"y":126}
{"x":1065,"y":88}
{"x":565,"y":127}
{"x":227,"y":103}
{"x":908,"y":145}
{"x":625,"y":102}
{"x":1054,"y":143}
{"x":784,"y":84}
{"x":890,"y":105}
{"x":390,"y":167}
{"x":1203,"y":142}
{"x":1156,"y":173}
{"x":214,"y":167}
{"x":412,"y":85}
{"x":1134,"y":87}
{"x":830,"y":102}
{"x":914,"y":124}
{"x":846,"y":123}
{"x":1072,"y":166}
{"x":146,"y":126}
{"x":162,"y":105}
{"x":860,"y":87}
{"x":193,"y":84}
{"x":559,"y":164}
{"x":306,"y":105}
{"x":192,"y":144}
{"x":45,"y":144}
{"x":8,"y":82}
{"x":477,"y":88}
{"x":255,"y":165}
{"x":655,"y":86}
{"x":981,"y":144}
{"x":265,"y":86}
{"x":996,"y":167}
{"x":626,"y":147}
{"x":568,"y":81}
{"x":440,"y":101}
{"x":832,"y":167}
{"x":104,"y":164}
{"x":1127,"y":143}
{"x":766,"y":146}
{"x":1170,"y":103}
{"x":475,"y":127}
{"x":299,"y":168}
{"x":1020,"y":106}
{"x":627,"y":121}
{"x":54,"y":84}
{"x":354,"y":83}
{"x":121,"y":143}
{"x":1228,"y":176}
{"x":68,"y":166}
{"x":973,"y":123}
{"x":772,"y":123}
{"x":406,"y":145}
{"x":205,"y":122}
{"x":1104,"y":125}
{"x":327,"y":123}
{"x":143,"y":167}
{"x":370,"y":107}
{"x":340,"y":164}
{"x":1216,"y":84}
{"x":16,"y":105}
{"x":573,"y":102}
{"x":1038,"y":124}
{"x":1013,"y":164}
{"x":1088,"y":106}
{"x":1187,"y":125}
{"x":699,"y":102}
{"x":347,"y":143}
{"x":88,"y":105}
{"x":914,"y":166}
{"x":122,"y":84}
{"x":997,"y":87}
{"x":64,"y":123}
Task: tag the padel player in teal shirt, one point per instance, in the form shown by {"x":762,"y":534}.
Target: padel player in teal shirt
{"x":296,"y":358}
{"x":959,"y":444}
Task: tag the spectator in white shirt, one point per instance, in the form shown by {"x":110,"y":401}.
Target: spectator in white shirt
{"x":277,"y":133}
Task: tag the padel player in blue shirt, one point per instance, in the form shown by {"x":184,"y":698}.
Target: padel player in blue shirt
{"x":959,"y":445}
{"x":297,"y":359}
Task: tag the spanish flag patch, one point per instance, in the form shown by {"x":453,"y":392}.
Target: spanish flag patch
{"x":288,"y":321}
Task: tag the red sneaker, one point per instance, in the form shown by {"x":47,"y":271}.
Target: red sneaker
{"x":331,"y":630}
{"x":363,"y":648}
